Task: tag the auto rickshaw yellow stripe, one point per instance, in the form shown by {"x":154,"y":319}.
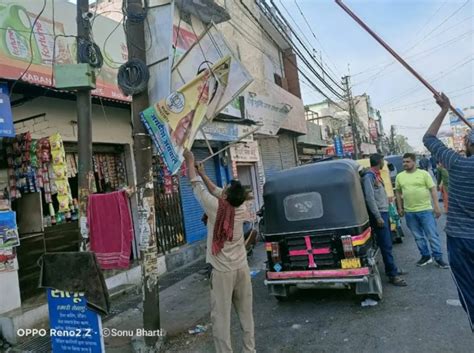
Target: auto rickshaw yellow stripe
{"x":361,"y":239}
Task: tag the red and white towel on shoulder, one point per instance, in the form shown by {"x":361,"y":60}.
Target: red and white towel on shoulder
{"x":111,"y":229}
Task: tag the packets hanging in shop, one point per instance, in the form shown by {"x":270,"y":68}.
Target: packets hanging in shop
{"x":56,"y":142}
{"x":59,"y":158}
{"x":63,"y":187}
{"x":64,"y":203}
{"x":60,"y":173}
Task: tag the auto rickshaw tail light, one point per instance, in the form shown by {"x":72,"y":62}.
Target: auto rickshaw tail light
{"x":268,"y":247}
{"x":275,"y":252}
{"x":347,"y":246}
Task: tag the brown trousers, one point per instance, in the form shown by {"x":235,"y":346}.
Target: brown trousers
{"x":229,"y":289}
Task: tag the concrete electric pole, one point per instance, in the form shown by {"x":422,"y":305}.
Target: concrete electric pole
{"x":393,"y":149}
{"x":84,"y":122}
{"x":352,"y":115}
{"x":135,"y":16}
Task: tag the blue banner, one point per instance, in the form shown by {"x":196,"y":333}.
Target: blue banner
{"x":7,"y":129}
{"x":73,"y":326}
{"x":338,"y":146}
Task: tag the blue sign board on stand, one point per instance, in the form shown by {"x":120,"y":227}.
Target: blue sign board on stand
{"x":7,"y":129}
{"x":338,"y":146}
{"x":73,"y":326}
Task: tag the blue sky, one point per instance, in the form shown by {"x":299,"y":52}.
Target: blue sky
{"x":439,"y":34}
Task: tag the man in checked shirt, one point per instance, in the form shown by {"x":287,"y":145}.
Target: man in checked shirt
{"x":460,"y":223}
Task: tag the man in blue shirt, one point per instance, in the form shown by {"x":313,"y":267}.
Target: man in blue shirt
{"x":460,"y":223}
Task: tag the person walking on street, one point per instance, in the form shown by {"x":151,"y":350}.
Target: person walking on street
{"x":230,"y":277}
{"x":417,"y":189}
{"x":377,"y":204}
{"x":434,"y":166}
{"x":460,"y":223}
{"x":424,"y":163}
{"x":443,"y":184}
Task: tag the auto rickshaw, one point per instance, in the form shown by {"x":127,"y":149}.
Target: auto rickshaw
{"x":317,"y":231}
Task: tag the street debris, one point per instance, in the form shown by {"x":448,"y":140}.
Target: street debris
{"x":254,"y":273}
{"x":369,"y":302}
{"x":296,"y":327}
{"x":198,"y":330}
{"x":453,"y":302}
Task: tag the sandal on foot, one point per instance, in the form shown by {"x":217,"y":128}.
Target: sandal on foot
{"x":398,"y":281}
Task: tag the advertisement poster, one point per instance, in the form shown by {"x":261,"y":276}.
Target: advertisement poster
{"x":8,"y":230}
{"x":56,"y":45}
{"x":74,"y":327}
{"x":173,"y":122}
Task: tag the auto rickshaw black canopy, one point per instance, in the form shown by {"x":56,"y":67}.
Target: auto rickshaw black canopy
{"x":315,"y":197}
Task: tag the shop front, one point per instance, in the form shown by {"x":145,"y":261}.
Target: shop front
{"x":39,"y":176}
{"x":40,"y":180}
{"x":245,"y":167}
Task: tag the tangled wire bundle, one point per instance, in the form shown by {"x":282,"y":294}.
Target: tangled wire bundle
{"x":89,"y":52}
{"x":133,"y":77}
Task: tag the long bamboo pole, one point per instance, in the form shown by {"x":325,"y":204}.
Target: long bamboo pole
{"x":398,"y":57}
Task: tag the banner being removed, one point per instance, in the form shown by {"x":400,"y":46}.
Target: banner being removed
{"x":174,"y":121}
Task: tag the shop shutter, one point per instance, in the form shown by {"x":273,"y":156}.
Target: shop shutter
{"x":277,"y":153}
{"x":192,"y":211}
{"x":287,"y":151}
{"x":270,"y":152}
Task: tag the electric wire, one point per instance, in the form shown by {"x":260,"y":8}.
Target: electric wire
{"x":420,"y":55}
{"x":423,"y":103}
{"x":255,"y":20}
{"x":418,"y":42}
{"x":302,"y":44}
{"x":300,"y":54}
{"x":308,"y":41}
{"x":314,"y":35}
{"x":440,"y":75}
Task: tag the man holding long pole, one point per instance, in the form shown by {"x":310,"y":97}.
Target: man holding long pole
{"x":460,"y":224}
{"x":230,"y":281}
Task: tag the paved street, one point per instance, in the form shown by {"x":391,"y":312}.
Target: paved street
{"x":412,"y":319}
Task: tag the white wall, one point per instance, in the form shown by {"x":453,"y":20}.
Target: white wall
{"x":113,"y":126}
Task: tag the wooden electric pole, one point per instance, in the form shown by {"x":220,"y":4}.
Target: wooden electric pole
{"x":142,"y":149}
{"x":84,"y":123}
{"x":352,"y":115}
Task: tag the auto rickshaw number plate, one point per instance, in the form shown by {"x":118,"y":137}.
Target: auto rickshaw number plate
{"x":351,"y":263}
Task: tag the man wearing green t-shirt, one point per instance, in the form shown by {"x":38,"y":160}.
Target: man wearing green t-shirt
{"x":415,"y":189}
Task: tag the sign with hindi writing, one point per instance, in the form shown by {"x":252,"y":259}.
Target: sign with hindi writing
{"x":245,"y":152}
{"x":265,"y":110}
{"x":224,"y":132}
{"x":73,"y":326}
